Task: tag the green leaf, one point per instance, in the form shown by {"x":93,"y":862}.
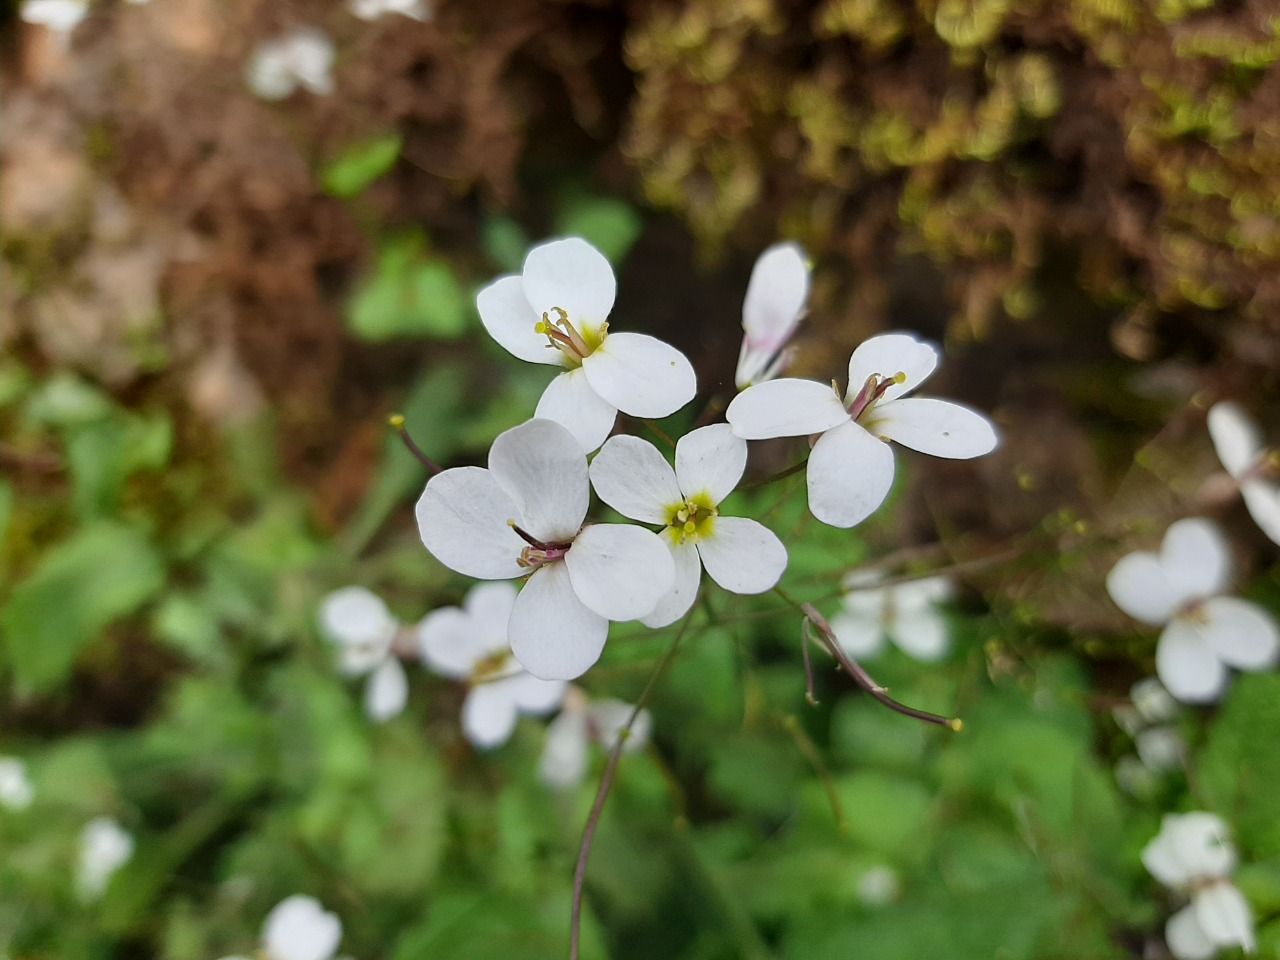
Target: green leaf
{"x":505,"y":242}
{"x":103,"y":573}
{"x":361,"y":164}
{"x":102,"y":455}
{"x":409,"y":295}
{"x":610,"y":225}
{"x":1239,"y":770}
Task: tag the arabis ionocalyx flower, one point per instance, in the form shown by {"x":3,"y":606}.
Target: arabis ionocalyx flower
{"x":523,"y":518}
{"x":1250,"y":464}
{"x":581,"y":721}
{"x":1191,"y":853}
{"x":635,"y":479}
{"x":851,"y":468}
{"x":776,"y":297}
{"x":1180,"y":589}
{"x":299,"y":928}
{"x":906,"y":613}
{"x":469,"y":643}
{"x":556,"y":313}
{"x":16,"y":791}
{"x":363,"y":629}
{"x":105,"y":847}
{"x":301,"y":58}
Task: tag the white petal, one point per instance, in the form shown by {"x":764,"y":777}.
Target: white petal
{"x":710,"y":461}
{"x":360,"y":622}
{"x":1152,"y":701}
{"x":742,"y":556}
{"x":633,"y":477}
{"x":609,"y":717}
{"x":936,"y":427}
{"x":1235,"y":438}
{"x":570,"y":402}
{"x":641,"y":375}
{"x":543,"y":469}
{"x":1159,"y":748}
{"x":506,"y":314}
{"x":534,"y":696}
{"x":619,"y":570}
{"x":448,"y":642}
{"x":1203,"y":844}
{"x":1188,"y":666}
{"x":553,"y":635}
{"x":1186,"y":938}
{"x":785,"y":408}
{"x":776,"y":295}
{"x":488,"y":715}
{"x":1263,"y":502}
{"x":564,"y":754}
{"x":386,"y":692}
{"x":684,"y":587}
{"x":889,"y":355}
{"x":1195,"y":558}
{"x":1241,"y":633}
{"x":299,"y":928}
{"x":462,"y":519}
{"x":1224,"y":916}
{"x":16,"y":791}
{"x":921,"y":634}
{"x":1139,"y":587}
{"x":858,"y":636}
{"x":489,"y":607}
{"x":268,"y":73}
{"x":312,"y":57}
{"x":61,"y":16}
{"x":850,"y":474}
{"x":922,"y":594}
{"x":572,"y":275}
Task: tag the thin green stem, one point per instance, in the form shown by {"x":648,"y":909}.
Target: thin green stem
{"x":790,"y":471}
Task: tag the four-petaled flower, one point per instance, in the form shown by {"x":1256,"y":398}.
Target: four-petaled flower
{"x":299,"y":928}
{"x":1191,"y":853}
{"x":301,"y":58}
{"x":105,"y":847}
{"x":775,"y":302}
{"x":469,"y":643}
{"x":906,"y":613}
{"x":523,"y":517}
{"x":363,"y":629}
{"x":555,"y":313}
{"x":1180,"y":589}
{"x":850,"y":468}
{"x":635,"y":479}
{"x":579,"y":723}
{"x":1250,"y":464}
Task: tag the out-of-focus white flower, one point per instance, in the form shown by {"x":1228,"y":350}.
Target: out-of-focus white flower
{"x":741,"y":555}
{"x":1204,"y":632}
{"x":522,"y":518}
{"x":1192,"y":854}
{"x":60,"y":16}
{"x":300,"y":58}
{"x":879,"y":886}
{"x":851,"y":467}
{"x":1147,"y":718}
{"x":581,"y":722}
{"x":363,"y":629}
{"x":775,"y":302}
{"x":555,"y":313}
{"x":1152,"y":701}
{"x":299,"y":928}
{"x":16,"y":791}
{"x":906,"y":613}
{"x":469,"y":643}
{"x":1241,"y":451}
{"x":418,"y":10}
{"x":105,"y":847}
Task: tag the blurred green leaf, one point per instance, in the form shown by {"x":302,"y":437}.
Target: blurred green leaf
{"x":505,"y":242}
{"x":609,"y":224}
{"x":1239,"y":769}
{"x":103,"y":454}
{"x":65,"y":400}
{"x":409,"y":295}
{"x":361,"y":164}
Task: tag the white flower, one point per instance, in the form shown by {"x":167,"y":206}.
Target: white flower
{"x":1153,"y":702}
{"x":906,"y":613}
{"x":1204,"y":632}
{"x":301,"y":58}
{"x":555,"y":313}
{"x":418,"y":10}
{"x":470,"y":643}
{"x":850,"y":468}
{"x":635,"y":479}
{"x":1241,"y":451}
{"x":1192,"y":854}
{"x":363,"y":629}
{"x":581,"y":722}
{"x":299,"y":928}
{"x":776,"y":297}
{"x":1159,"y":748}
{"x":879,"y":885}
{"x":105,"y":847}
{"x":16,"y":791}
{"x":60,"y":16}
{"x":523,"y":518}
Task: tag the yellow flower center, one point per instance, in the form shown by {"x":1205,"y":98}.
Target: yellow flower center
{"x":692,"y":519}
{"x":562,"y":335}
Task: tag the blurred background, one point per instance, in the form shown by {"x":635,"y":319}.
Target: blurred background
{"x":237,"y":235}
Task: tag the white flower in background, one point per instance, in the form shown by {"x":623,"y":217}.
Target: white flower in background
{"x":581,"y":722}
{"x":469,"y":643}
{"x":1180,"y":589}
{"x":776,"y":298}
{"x":1192,"y":854}
{"x":16,"y":791}
{"x":301,"y":58}
{"x":1241,"y":451}
{"x":634,"y":478}
{"x":363,"y":629}
{"x":879,"y":885}
{"x":105,"y":847}
{"x":906,"y":613}
{"x":1147,"y":718}
{"x":555,"y":313}
{"x":523,"y":517}
{"x":851,"y":467}
{"x":418,"y":10}
{"x":299,"y":928}
{"x":60,"y":16}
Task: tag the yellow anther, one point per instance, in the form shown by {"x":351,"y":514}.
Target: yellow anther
{"x":899,"y":377}
{"x":396,"y":421}
{"x":955,"y":724}
{"x":682,"y":514}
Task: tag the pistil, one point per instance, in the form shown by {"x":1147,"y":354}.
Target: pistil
{"x":538,"y":552}
{"x":563,"y":335}
{"x":872,"y":391}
